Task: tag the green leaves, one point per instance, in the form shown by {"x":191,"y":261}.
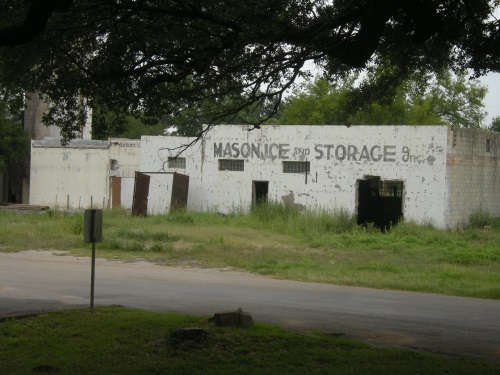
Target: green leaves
{"x":495,"y":124}
{"x":14,"y":149}
{"x":421,"y":99}
{"x":159,"y":56}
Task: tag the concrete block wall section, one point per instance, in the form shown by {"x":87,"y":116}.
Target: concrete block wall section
{"x":473,"y":174}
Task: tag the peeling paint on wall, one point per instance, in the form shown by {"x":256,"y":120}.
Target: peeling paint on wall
{"x":447,"y":172}
{"x":78,"y":176}
{"x":391,"y":152}
{"x":289,"y":200}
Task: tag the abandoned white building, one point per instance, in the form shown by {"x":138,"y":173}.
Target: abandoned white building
{"x":83,"y":174}
{"x":33,"y":124}
{"x":428,"y":174}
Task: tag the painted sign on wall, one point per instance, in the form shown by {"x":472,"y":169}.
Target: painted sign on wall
{"x":340,"y":152}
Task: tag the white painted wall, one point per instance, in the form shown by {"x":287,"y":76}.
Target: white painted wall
{"x":447,"y":174}
{"x":155,"y":151}
{"x":339,"y":157}
{"x":78,"y":176}
{"x":127,"y":154}
{"x":160,"y":194}
{"x":69,"y":177}
{"x":127,"y":192}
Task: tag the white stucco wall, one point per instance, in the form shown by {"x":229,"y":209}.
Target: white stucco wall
{"x":127,"y":192}
{"x":78,"y":176}
{"x":339,"y":156}
{"x":160,"y":194}
{"x":155,"y":151}
{"x":125,"y":157}
{"x":448,"y":174}
{"x":69,"y":177}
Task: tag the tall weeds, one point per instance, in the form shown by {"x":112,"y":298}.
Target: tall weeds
{"x":291,"y":219}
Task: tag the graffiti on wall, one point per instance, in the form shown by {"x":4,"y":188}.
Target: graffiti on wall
{"x":340,"y":152}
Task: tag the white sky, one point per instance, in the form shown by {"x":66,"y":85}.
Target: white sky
{"x":492,"y":99}
{"x":492,"y":81}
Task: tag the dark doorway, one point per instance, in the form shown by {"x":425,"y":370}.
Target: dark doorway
{"x":380,"y":202}
{"x":180,"y":188}
{"x":141,"y":193}
{"x":260,"y":190}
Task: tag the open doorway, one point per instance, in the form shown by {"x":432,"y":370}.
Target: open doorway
{"x":380,"y":202}
{"x":260,"y":190}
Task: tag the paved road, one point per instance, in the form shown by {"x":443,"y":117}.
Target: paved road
{"x":35,"y":280}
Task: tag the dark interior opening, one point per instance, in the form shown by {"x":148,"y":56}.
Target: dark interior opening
{"x":260,"y":190}
{"x":380,"y":202}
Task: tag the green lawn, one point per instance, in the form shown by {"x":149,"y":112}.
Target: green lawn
{"x":325,"y":248}
{"x":276,"y":241}
{"x":115,"y":340}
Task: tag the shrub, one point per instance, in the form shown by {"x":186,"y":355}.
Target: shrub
{"x":480,"y":218}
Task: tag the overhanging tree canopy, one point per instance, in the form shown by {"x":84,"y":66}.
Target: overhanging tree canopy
{"x":156,"y":56}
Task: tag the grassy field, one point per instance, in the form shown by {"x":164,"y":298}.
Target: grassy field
{"x":282,"y":242}
{"x":276,"y":241}
{"x":115,"y":340}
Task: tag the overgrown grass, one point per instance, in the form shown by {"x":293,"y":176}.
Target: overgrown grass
{"x":115,"y":340}
{"x":283,"y":242}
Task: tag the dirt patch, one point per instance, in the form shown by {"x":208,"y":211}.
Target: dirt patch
{"x":38,"y":253}
{"x":181,"y":245}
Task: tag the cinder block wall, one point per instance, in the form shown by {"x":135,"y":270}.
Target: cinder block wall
{"x":472,"y":179}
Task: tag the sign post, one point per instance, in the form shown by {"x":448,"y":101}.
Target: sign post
{"x":92,"y":233}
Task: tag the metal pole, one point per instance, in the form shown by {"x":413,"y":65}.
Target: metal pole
{"x":92,"y":277}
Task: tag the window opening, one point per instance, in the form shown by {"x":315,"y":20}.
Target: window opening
{"x":178,"y":163}
{"x":296,"y":166}
{"x":391,"y":188}
{"x":231,"y":165}
{"x":488,"y":145}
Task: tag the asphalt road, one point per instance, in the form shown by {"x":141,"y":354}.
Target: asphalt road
{"x":37,"y":280}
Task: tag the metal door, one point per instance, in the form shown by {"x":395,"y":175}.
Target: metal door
{"x":180,"y":188}
{"x":141,"y":193}
{"x":116,"y":192}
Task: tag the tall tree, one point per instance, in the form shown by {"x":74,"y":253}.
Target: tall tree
{"x":423,"y":99}
{"x":318,"y":102}
{"x":14,"y":146}
{"x":153,"y":56}
{"x":495,"y":124}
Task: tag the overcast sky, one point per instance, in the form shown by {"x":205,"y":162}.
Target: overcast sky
{"x":492,"y":99}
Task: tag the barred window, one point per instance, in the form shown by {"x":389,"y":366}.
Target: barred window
{"x":389,"y":188}
{"x":296,"y":166}
{"x":231,"y":165}
{"x":178,"y":163}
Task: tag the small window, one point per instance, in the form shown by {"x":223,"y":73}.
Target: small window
{"x":389,"y":188}
{"x":296,"y":167}
{"x":178,"y":163}
{"x":231,"y":165}
{"x":488,"y":145}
